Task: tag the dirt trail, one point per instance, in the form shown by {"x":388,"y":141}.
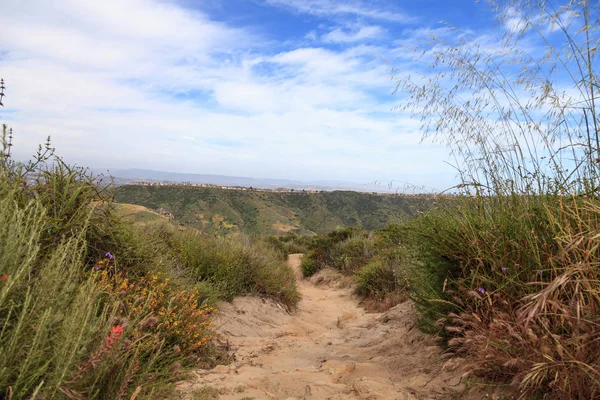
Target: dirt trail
{"x":329,"y":349}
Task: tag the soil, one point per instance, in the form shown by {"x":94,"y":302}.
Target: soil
{"x":330,"y":348}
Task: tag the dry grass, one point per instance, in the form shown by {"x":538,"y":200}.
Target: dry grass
{"x":509,"y":272}
{"x":518,"y":297}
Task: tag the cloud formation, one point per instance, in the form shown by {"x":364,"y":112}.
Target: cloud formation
{"x":326,"y":8}
{"x":157,"y":84}
{"x":339,"y":35}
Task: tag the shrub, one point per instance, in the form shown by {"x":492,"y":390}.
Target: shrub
{"x":378,"y":279}
{"x":237,"y":267}
{"x":289,"y":244}
{"x":160,"y":313}
{"x":309,"y":265}
{"x":328,"y":251}
{"x":52,"y":312}
{"x":376,"y":260}
{"x":67,"y":333}
{"x":47,"y":306}
{"x":208,"y":295}
{"x":390,"y":242}
{"x":157,"y":329}
{"x":520,"y":297}
{"x":353,"y":254}
{"x":219,"y":267}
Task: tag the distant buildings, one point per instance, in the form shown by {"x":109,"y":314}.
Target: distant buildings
{"x":278,"y":190}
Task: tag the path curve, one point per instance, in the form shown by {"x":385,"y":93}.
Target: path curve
{"x":329,"y":349}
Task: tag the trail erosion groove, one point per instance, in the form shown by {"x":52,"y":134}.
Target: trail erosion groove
{"x":330,"y":348}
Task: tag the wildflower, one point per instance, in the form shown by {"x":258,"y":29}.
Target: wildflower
{"x":114,"y":335}
{"x":540,"y":272}
{"x":109,"y":256}
{"x":481,"y":290}
{"x":116,"y":330}
{"x":504,"y":269}
{"x":3,"y":277}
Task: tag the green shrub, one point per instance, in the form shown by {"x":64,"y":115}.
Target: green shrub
{"x":54,"y":223}
{"x":376,"y":260}
{"x":309,"y":264}
{"x":329,"y":250}
{"x":207,"y":294}
{"x":514,"y":286}
{"x":352,"y":254}
{"x":289,"y":244}
{"x":237,"y":266}
{"x":378,"y":279}
{"x":221,"y":267}
{"x":47,"y":306}
{"x":62,"y":335}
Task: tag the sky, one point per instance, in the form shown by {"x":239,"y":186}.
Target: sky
{"x":291,"y":89}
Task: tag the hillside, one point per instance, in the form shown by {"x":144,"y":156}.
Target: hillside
{"x":225,"y":211}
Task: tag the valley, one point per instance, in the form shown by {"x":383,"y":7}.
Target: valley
{"x":258,"y":212}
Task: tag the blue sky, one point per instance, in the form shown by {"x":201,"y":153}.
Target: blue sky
{"x":296,"y":89}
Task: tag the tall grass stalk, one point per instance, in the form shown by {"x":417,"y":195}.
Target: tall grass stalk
{"x":509,"y":270}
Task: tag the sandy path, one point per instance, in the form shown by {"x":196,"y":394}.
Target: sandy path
{"x":329,"y":349}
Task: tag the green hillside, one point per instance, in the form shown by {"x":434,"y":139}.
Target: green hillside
{"x":217,"y":210}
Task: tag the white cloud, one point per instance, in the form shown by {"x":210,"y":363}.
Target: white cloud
{"x":317,"y":61}
{"x":339,"y":35}
{"x":312,"y":35}
{"x":148,"y":84}
{"x":343,"y":8}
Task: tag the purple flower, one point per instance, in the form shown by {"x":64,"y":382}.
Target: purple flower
{"x":540,"y":272}
{"x":504,"y":269}
{"x":481,"y":290}
{"x":96,"y":268}
{"x":109,"y":256}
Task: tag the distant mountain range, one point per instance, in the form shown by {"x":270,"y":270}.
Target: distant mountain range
{"x":125,"y":176}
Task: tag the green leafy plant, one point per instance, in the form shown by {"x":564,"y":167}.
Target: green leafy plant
{"x":93,"y":306}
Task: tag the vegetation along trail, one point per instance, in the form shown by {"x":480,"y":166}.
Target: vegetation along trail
{"x":329,"y":348}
